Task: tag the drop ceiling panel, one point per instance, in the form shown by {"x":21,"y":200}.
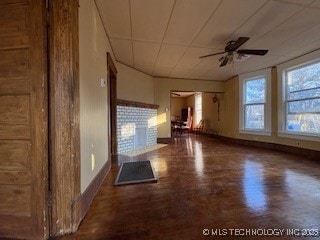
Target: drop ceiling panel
{"x":219,"y":74}
{"x":187,"y":19}
{"x":196,"y":73}
{"x":272,"y":63}
{"x":297,"y":2}
{"x":150,"y":18}
{"x":123,"y":51}
{"x":254,"y":61}
{"x":144,"y":69}
{"x":316,"y":4}
{"x":308,"y":48}
{"x":165,"y":30}
{"x":191,"y":57}
{"x":262,"y":22}
{"x":161,"y":72}
{"x":179,"y":72}
{"x":116,"y":17}
{"x":229,"y":16}
{"x":145,"y":53}
{"x":242,"y":68}
{"x":302,"y":39}
{"x":293,"y":26}
{"x":169,"y":55}
{"x":209,"y":62}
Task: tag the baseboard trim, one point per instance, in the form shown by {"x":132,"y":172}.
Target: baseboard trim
{"x":83,"y":202}
{"x":164,"y":140}
{"x":312,"y":154}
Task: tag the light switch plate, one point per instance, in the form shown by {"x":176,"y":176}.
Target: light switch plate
{"x":102,"y":82}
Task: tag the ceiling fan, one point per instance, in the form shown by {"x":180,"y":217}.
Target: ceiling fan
{"x":232,"y":48}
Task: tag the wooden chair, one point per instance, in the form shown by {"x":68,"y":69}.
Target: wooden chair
{"x":199,"y":127}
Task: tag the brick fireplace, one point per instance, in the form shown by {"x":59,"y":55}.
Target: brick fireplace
{"x":136,"y":125}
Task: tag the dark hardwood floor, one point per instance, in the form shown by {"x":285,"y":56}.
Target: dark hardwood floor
{"x":207,"y":184}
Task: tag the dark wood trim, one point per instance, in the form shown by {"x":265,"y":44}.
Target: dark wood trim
{"x":64,"y":121}
{"x":112,"y":104}
{"x":312,"y":154}
{"x":91,"y":191}
{"x":121,"y":102}
{"x":75,"y":117}
{"x":111,"y":63}
{"x":39,"y":105}
{"x":164,"y":140}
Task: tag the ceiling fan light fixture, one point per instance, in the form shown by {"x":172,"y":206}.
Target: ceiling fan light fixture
{"x":230,"y":57}
{"x":232,"y":48}
{"x":241,"y":57}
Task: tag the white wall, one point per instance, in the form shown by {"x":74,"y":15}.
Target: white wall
{"x":134,"y":85}
{"x":177,"y":103}
{"x":93,"y":98}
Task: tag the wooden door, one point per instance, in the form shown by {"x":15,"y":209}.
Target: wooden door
{"x":23,"y":119}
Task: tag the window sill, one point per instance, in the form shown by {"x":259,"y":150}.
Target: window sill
{"x":252,"y":132}
{"x":307,"y":137}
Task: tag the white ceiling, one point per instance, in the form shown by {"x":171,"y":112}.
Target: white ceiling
{"x":165,"y":38}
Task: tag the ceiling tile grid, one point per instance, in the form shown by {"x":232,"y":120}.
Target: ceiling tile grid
{"x":145,"y":53}
{"x":149,"y":19}
{"x":165,"y":38}
{"x":188,"y":17}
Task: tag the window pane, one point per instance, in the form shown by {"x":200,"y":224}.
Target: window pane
{"x":302,"y":94}
{"x":254,"y":116}
{"x":198,"y":108}
{"x":305,"y":77}
{"x":255,"y":91}
{"x":308,"y":123}
{"x":304,"y":106}
{"x":198,"y":116}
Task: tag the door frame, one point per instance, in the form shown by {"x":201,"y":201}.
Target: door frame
{"x":64,"y":117}
{"x":112,"y":103}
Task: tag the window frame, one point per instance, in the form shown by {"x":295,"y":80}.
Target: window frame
{"x":283,"y":69}
{"x":198,"y":95}
{"x":243,"y":79}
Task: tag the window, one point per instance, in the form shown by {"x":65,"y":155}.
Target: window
{"x":198,"y":107}
{"x":299,"y":97}
{"x":302,"y":99}
{"x":254,"y":103}
{"x":255,"y":112}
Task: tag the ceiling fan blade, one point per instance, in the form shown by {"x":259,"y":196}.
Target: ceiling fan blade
{"x":260,"y":52}
{"x":212,"y":54}
{"x":225,"y":61}
{"x":234,"y":46}
{"x":175,"y":94}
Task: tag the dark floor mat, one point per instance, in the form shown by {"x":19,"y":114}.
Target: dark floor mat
{"x":135,"y":172}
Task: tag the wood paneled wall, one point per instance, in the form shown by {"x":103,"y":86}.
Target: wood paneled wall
{"x":23,"y":120}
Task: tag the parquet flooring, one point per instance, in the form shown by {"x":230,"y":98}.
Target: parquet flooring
{"x":207,"y":184}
